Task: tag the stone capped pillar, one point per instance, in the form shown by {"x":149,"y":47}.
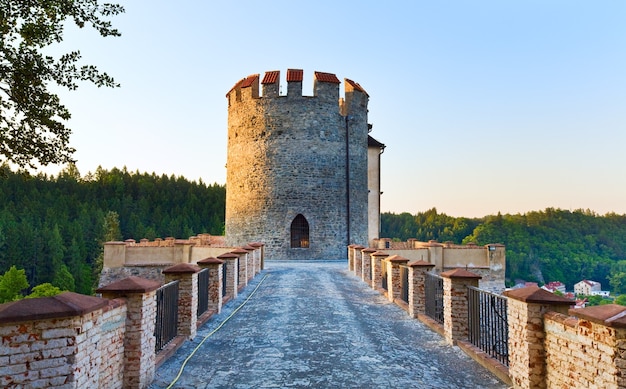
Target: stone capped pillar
{"x":417,"y":283}
{"x":250,"y":271}
{"x":215,"y":281}
{"x":366,"y":267}
{"x":242,"y":266}
{"x":358,"y":260}
{"x":455,"y":302}
{"x":394,"y":278}
{"x":351,"y":257}
{"x":139,"y":341}
{"x":527,"y":355}
{"x":258,"y":256}
{"x":232,"y":274}
{"x":376,"y":268}
{"x":52,"y":342}
{"x":187,"y":276}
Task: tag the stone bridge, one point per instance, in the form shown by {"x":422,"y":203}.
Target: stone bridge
{"x":314,"y":324}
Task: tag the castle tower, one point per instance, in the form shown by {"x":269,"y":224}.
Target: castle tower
{"x":297,"y":166}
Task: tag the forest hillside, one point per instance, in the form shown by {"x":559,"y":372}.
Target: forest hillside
{"x":541,"y":246}
{"x":54,"y":227}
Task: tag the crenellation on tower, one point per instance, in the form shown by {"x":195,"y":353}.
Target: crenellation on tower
{"x":294,"y":83}
{"x":355,"y":95}
{"x":271,"y":87}
{"x":326,"y":86}
{"x":250,"y":87}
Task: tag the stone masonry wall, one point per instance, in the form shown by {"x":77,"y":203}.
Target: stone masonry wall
{"x":140,"y":341}
{"x":46,"y":353}
{"x":111,"y":345}
{"x":287,"y":156}
{"x":582,"y":354}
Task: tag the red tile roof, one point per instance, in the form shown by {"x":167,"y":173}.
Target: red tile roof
{"x":356,"y":86}
{"x":237,"y":85}
{"x":294,"y":75}
{"x":247,"y":82}
{"x":271,"y":77}
{"x":326,"y":77}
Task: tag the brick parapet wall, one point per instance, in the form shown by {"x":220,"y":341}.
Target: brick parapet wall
{"x":547,"y":348}
{"x":51,"y":342}
{"x":232,"y":274}
{"x":242,"y":265}
{"x":527,"y":355}
{"x":455,"y":303}
{"x":366,"y":267}
{"x":111,"y":345}
{"x":417,"y":287}
{"x":351,"y":257}
{"x":215,"y":267}
{"x":139,"y":344}
{"x":139,"y":341}
{"x":187,"y":277}
{"x":585,"y":353}
{"x":394,"y":277}
{"x":358,"y":262}
{"x":377,"y":263}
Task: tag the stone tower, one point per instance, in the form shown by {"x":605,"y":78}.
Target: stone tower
{"x":297,"y":166}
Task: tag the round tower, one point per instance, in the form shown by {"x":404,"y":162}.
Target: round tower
{"x":297,"y":166}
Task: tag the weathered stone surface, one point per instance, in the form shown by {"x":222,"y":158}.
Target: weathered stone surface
{"x":294,"y":154}
{"x":312,"y":324}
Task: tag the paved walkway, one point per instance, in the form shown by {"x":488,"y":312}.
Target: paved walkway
{"x":314,"y":325}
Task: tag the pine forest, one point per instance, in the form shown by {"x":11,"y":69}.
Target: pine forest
{"x":53,"y":228}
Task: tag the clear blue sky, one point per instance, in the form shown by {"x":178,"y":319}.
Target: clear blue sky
{"x":485,"y":106}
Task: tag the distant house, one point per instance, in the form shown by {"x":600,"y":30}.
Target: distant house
{"x":588,"y":288}
{"x":523,"y":284}
{"x":554,"y":286}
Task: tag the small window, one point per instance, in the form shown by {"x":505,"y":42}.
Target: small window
{"x":299,"y":232}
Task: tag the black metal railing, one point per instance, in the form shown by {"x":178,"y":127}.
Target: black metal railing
{"x":487,"y":322}
{"x":224,"y":277}
{"x":433,"y":289}
{"x":404,"y":283}
{"x":383,"y":275}
{"x":166,"y":325}
{"x":203,"y":291}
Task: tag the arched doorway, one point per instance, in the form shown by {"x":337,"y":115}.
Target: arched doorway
{"x":299,"y":232}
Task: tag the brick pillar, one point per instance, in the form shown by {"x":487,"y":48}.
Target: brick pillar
{"x":417,"y":282}
{"x":351,"y":257}
{"x":527,"y":355}
{"x":455,"y":303}
{"x":258,"y":266}
{"x":215,"y":282}
{"x":242,"y":265}
{"x":52,"y":342}
{"x":366,"y":264}
{"x":376,"y":268}
{"x":232,"y":274}
{"x":358,"y":260}
{"x":139,"y":341}
{"x":357,"y":255}
{"x":249,"y":261}
{"x":394,"y":281}
{"x":187,"y":276}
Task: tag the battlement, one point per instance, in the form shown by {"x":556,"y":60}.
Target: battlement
{"x":325,"y":85}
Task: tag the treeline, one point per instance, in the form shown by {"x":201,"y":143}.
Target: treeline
{"x":54,"y":227}
{"x":541,"y":246}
